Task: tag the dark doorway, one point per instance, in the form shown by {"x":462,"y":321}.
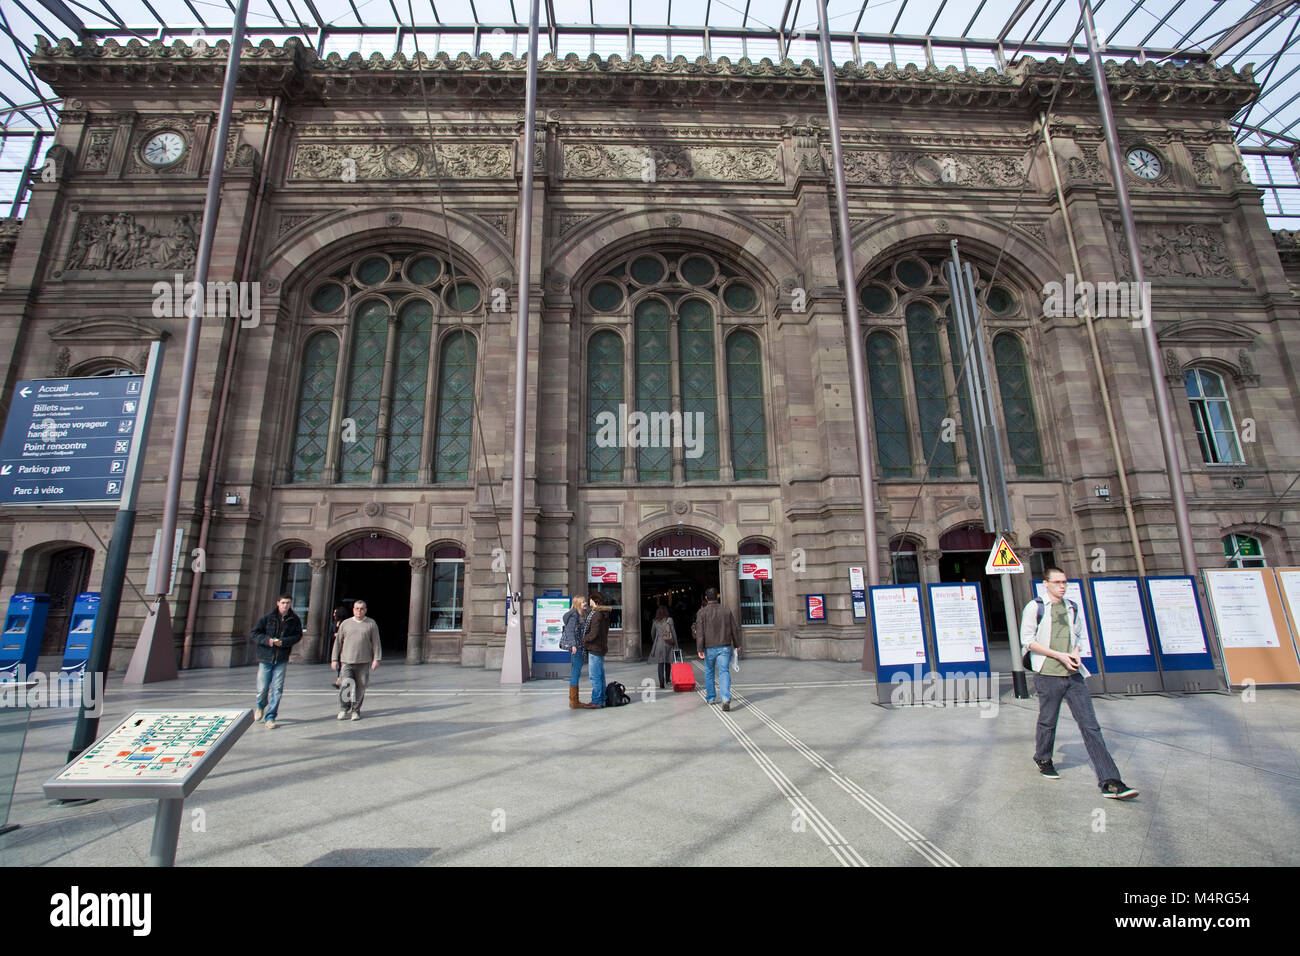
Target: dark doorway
{"x":68,"y":576}
{"x":385,"y":586}
{"x":967,"y":567}
{"x":680,"y":585}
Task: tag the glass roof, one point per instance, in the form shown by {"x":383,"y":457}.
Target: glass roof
{"x":978,"y":33}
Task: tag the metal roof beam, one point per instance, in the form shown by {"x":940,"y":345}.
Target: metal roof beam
{"x":65,"y":14}
{"x":1264,"y":11}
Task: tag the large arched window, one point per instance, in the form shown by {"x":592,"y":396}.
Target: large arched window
{"x":1018,"y":404}
{"x":675,"y":304}
{"x":1216,"y":430}
{"x":893,"y":445}
{"x":388,"y":308}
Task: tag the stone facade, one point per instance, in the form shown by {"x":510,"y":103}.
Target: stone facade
{"x":332,"y":159}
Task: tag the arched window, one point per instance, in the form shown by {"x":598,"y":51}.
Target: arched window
{"x":931,"y":389}
{"x":295,"y":579}
{"x":604,"y":396}
{"x":447,"y":599}
{"x":612,"y":590}
{"x":903,"y":558}
{"x":1216,"y":429}
{"x":455,"y":408}
{"x":893,"y":443}
{"x":1018,"y":404}
{"x":757,"y":606}
{"x":414,"y":321}
{"x":653,"y":385}
{"x":315,"y":398}
{"x":1243,"y":551}
{"x":699,"y":389}
{"x":365,"y":382}
{"x":745,"y":406}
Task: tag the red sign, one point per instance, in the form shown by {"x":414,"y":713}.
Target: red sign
{"x":816,"y":608}
{"x":597,"y":570}
{"x":751,"y":569}
{"x":610,"y":577}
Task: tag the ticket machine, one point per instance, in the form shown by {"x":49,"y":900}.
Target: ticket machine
{"x":81,"y":631}
{"x":20,"y":643}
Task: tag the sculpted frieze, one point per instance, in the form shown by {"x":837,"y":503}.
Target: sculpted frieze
{"x":910,"y":167}
{"x":118,"y":242}
{"x":357,"y":162}
{"x":623,"y":161}
{"x":1190,"y":251}
{"x":100,"y":144}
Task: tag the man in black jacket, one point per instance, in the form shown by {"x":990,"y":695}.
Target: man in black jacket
{"x":274,"y":635}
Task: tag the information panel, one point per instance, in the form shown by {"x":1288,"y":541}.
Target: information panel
{"x":858,"y":593}
{"x":1176,"y":616}
{"x":957,"y":621}
{"x":1123,"y":635}
{"x":67,"y":440}
{"x":897,"y":627}
{"x":548,"y":624}
{"x":1251,"y":620}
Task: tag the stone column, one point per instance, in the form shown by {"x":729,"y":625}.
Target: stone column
{"x":930,"y":566}
{"x":415,"y":614}
{"x":631,"y":609}
{"x":318,"y":614}
{"x":729,"y":583}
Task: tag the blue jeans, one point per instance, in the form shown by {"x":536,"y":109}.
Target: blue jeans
{"x":712,"y":657}
{"x":597,"y":675}
{"x":575,"y":666}
{"x":270,"y":685}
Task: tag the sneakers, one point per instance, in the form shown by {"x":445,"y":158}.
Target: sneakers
{"x":257,"y":713}
{"x":1047,"y":770}
{"x":356,"y":715}
{"x":726,"y":705}
{"x":343,"y":715}
{"x":1117,"y":790}
{"x":271,"y":725}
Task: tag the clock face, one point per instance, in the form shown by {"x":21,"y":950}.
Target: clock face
{"x":1144,"y":163}
{"x":163,"y":149}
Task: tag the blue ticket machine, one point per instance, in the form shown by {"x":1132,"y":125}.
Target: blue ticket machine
{"x":20,"y":642}
{"x":81,"y":631}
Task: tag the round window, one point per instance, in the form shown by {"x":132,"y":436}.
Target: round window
{"x":697,"y":270}
{"x":877,"y":299}
{"x":327,"y":297}
{"x":423,"y":270}
{"x":461,"y":296}
{"x":373,"y":270}
{"x":1001,"y":300}
{"x":646,"y":270}
{"x":913,"y":274}
{"x":605,"y":296}
{"x":740,"y":297}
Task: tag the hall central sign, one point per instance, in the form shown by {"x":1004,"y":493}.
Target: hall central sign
{"x":673,"y":545}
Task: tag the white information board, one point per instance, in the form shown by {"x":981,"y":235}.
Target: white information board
{"x":1073,"y":592}
{"x":548,"y":623}
{"x":1289,"y":582}
{"x":1119,"y":615}
{"x":900,"y":633}
{"x":1177,"y":620}
{"x":1241,"y":608}
{"x":958,"y":627}
{"x":604,"y":570}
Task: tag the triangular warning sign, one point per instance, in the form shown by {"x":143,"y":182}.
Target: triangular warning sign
{"x":1002,"y":560}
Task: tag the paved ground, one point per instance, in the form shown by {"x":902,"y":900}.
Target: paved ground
{"x":448,"y":767}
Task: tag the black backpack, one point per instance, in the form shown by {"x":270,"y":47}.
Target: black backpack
{"x":616,"y":695}
{"x":1042,"y":607}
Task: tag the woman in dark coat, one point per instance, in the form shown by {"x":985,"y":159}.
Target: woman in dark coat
{"x":575,"y":628}
{"x":665,"y":636}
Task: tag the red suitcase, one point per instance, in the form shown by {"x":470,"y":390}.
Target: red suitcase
{"x":683,"y":674}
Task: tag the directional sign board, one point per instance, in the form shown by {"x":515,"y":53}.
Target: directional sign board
{"x":69,"y":440}
{"x":1002,"y":560}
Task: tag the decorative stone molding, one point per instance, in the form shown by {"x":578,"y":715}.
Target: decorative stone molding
{"x":1086,"y":167}
{"x":123,"y":242}
{"x":680,"y":507}
{"x":1173,"y":367}
{"x":377,"y":161}
{"x":571,"y":221}
{"x":625,"y":161}
{"x":672,"y":220}
{"x":9,"y":234}
{"x":62,"y":362}
{"x":1036,"y":229}
{"x":99,"y":144}
{"x":631,"y":563}
{"x":317,"y":565}
{"x":1288,"y":246}
{"x":419,"y":564}
{"x":498,"y":221}
{"x":910,"y":167}
{"x":372,"y":509}
{"x":775,"y":223}
{"x":289,"y":222}
{"x":1246,"y":376}
{"x":1203,"y":167}
{"x":1191,"y":251}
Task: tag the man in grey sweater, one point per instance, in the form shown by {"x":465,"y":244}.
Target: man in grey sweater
{"x":356,"y":646}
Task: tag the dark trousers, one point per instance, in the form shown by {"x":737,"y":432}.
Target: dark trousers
{"x":1073,"y":690}
{"x":665,"y":674}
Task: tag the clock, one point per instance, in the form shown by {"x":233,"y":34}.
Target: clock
{"x":163,"y":149}
{"x":1144,"y":164}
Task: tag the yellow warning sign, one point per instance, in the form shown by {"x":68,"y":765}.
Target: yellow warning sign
{"x":1002,"y":560}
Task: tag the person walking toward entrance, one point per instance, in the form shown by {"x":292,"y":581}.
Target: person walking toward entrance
{"x":665,"y":637}
{"x":340,"y":615}
{"x":274,"y":635}
{"x":1051,"y":630}
{"x":575,"y":628}
{"x":596,"y":643}
{"x":356,"y":646}
{"x":716,"y":633}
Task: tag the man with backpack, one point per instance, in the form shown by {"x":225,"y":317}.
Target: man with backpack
{"x":1051,"y":633}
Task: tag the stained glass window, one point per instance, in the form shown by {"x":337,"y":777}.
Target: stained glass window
{"x":315,"y":401}
{"x":455,"y":408}
{"x":604,"y":395}
{"x":653,"y":383}
{"x":745,"y":398}
{"x":406,"y":428}
{"x":365,"y":381}
{"x":699,"y":392}
{"x":931,"y":390}
{"x":1018,"y":404}
{"x":890,"y":416}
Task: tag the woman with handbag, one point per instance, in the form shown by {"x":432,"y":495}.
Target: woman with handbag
{"x":665,"y":637}
{"x":575,"y":628}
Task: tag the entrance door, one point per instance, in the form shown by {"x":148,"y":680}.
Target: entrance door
{"x":967,"y":567}
{"x":68,"y":576}
{"x":385,"y":586}
{"x":679,"y":585}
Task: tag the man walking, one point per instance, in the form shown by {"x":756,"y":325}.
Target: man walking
{"x":1051,"y":631}
{"x":716,"y":633}
{"x":596,"y":643}
{"x":274,"y":635}
{"x":356,"y":646}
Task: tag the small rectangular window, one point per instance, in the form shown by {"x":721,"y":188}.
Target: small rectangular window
{"x":446,"y":606}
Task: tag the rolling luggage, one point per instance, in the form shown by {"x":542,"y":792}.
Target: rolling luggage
{"x":683,"y":674}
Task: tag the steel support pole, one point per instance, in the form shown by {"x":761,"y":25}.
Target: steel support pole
{"x":194,"y":305}
{"x":514,"y":668}
{"x":166,"y":831}
{"x":1173,"y":467}
{"x":857,"y":363}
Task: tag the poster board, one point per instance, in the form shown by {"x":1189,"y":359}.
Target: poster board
{"x":1179,"y":631}
{"x":1124,"y":636}
{"x":1252,"y":625}
{"x":898,"y":636}
{"x":1074,"y":591}
{"x":549,"y":659}
{"x":960,"y":634}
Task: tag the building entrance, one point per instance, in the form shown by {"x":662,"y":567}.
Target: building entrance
{"x":385,"y":586}
{"x":967,"y":567}
{"x":679,"y":584}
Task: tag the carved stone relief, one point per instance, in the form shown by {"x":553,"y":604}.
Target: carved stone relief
{"x":98,"y":147}
{"x":288,"y":223}
{"x":374,"y":161}
{"x":670,"y":162}
{"x":1203,"y":167}
{"x":1086,"y":167}
{"x":114,"y":242}
{"x":571,"y":221}
{"x":908,"y":167}
{"x":1190,"y":251}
